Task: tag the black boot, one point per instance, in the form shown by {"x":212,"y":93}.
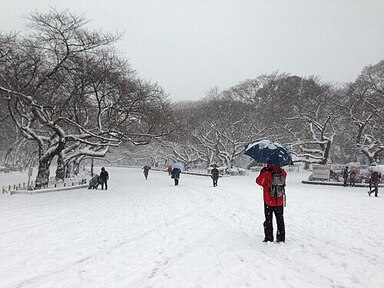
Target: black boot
{"x":268,"y":240}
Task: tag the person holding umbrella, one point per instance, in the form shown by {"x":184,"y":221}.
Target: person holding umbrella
{"x":273,"y":201}
{"x":272,"y":178}
{"x":169,"y":168}
{"x":175,"y":175}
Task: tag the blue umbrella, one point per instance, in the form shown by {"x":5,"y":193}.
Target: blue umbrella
{"x":178,"y":165}
{"x":266,"y":151}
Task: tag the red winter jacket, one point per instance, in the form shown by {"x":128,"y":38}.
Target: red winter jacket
{"x":265,"y":180}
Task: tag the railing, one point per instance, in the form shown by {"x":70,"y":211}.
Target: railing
{"x":52,"y":185}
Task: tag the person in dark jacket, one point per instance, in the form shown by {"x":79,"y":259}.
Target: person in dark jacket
{"x":175,"y":175}
{"x":146,"y":171}
{"x":104,"y":177}
{"x":352,"y":178}
{"x":169,"y":170}
{"x":272,"y":205}
{"x":374,"y":183}
{"x":345,"y":175}
{"x":215,"y":175}
{"x":94,"y":182}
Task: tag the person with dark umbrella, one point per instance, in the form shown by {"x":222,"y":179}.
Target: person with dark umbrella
{"x":272,"y":178}
{"x":272,"y":204}
{"x":175,"y":175}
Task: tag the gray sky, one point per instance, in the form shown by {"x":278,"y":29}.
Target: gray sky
{"x":189,"y":46}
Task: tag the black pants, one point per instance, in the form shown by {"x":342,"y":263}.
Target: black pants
{"x":102,"y":184}
{"x":176,"y":181}
{"x":268,"y":226}
{"x":375,"y":189}
{"x":214,"y":182}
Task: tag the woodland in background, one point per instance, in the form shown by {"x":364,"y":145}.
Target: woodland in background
{"x":319,"y":122}
{"x":66,"y":95}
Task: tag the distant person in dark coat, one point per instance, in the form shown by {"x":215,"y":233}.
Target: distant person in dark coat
{"x":345,"y":176}
{"x":104,"y":177}
{"x":146,"y":171}
{"x":94,"y":182}
{"x":352,"y":178}
{"x":215,"y":175}
{"x":175,"y":175}
{"x":374,"y":183}
{"x":169,"y":170}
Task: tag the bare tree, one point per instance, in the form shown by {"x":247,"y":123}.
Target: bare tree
{"x":365,"y":109}
{"x":215,"y":130}
{"x":65,"y":88}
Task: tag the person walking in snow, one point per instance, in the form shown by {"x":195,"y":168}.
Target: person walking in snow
{"x":345,"y":176}
{"x":94,"y":182}
{"x":104,"y":177}
{"x":352,"y":178}
{"x":146,"y":171}
{"x":169,"y":170}
{"x":272,"y":204}
{"x":175,"y":175}
{"x":215,"y":175}
{"x":374,"y":183}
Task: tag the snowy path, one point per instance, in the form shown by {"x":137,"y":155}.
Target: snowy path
{"x":149,"y":233}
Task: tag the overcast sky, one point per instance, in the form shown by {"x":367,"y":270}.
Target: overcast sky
{"x":189,"y":46}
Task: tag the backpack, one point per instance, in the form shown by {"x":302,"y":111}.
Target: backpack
{"x":278,"y":184}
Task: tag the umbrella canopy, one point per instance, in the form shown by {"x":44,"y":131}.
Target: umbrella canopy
{"x":266,"y":151}
{"x":178,"y":165}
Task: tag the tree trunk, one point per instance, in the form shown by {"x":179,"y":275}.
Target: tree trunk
{"x":76,"y":167}
{"x":42,"y":177}
{"x":326,"y":153}
{"x":60,"y":170}
{"x":69,"y":169}
{"x":7,"y":156}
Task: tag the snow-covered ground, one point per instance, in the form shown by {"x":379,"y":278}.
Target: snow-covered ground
{"x":150,"y":233}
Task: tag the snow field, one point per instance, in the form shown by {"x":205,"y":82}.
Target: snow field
{"x":150,"y":233}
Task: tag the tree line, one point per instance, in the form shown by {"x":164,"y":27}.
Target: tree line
{"x":318,"y":122}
